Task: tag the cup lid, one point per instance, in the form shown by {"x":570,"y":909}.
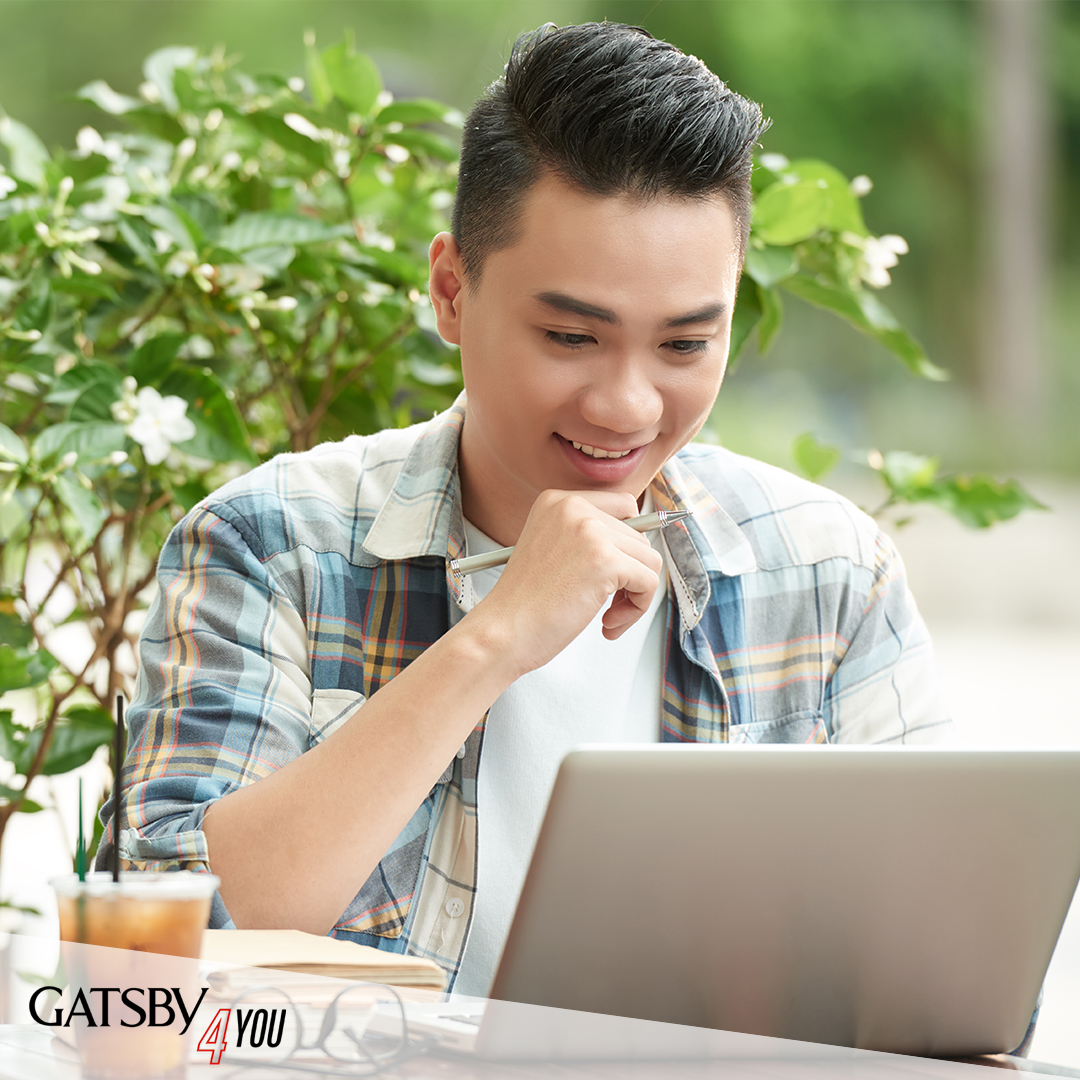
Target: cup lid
{"x":173,"y":885}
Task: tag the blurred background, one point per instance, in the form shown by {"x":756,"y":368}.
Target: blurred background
{"x":965,"y":114}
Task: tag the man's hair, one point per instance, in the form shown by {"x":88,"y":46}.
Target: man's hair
{"x":611,"y":110}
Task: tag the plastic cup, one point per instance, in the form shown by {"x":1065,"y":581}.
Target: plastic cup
{"x":141,"y":935}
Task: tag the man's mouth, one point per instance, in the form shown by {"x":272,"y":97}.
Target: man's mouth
{"x":598,"y":452}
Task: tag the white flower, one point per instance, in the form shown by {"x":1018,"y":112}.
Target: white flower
{"x":774,"y":162}
{"x":861,"y":185}
{"x":159,"y":422}
{"x":879,"y":253}
{"x":303,"y":126}
{"x":7,"y":186}
{"x":115,"y":190}
{"x":89,"y":141}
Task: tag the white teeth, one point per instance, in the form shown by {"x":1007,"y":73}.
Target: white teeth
{"x":592,"y":451}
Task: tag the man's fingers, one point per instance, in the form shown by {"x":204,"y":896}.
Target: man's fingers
{"x":624,"y":610}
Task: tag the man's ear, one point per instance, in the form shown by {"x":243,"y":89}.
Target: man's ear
{"x":446,"y":286}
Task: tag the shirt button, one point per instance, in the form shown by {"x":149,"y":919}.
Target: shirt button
{"x":454,"y":906}
{"x":461,"y":752}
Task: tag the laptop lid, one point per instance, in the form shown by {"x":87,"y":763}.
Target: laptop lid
{"x":905,"y":899}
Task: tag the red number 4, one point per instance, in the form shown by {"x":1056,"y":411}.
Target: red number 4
{"x":213,"y":1038}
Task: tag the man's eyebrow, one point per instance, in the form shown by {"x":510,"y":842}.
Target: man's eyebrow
{"x":571,"y":305}
{"x":702,"y":315}
{"x":562,"y":302}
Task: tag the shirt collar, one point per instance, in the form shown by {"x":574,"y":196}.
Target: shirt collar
{"x":422,"y":516}
{"x":708,"y":543}
{"x":423,"y":508}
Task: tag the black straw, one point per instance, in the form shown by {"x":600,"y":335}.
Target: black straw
{"x":80,"y":841}
{"x":118,"y":762}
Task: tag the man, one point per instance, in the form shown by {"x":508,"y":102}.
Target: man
{"x":309,"y":634}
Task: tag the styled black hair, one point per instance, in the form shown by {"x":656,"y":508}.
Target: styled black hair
{"x":611,"y":110}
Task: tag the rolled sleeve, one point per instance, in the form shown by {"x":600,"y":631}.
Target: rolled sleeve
{"x":885,"y":686}
{"x":223,"y":696}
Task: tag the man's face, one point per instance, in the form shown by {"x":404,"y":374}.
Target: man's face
{"x":592,"y":349}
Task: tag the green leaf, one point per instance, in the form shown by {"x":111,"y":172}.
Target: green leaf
{"x":784,"y":214}
{"x":879,"y":324}
{"x":20,"y":668}
{"x":86,"y":287}
{"x":317,"y":79}
{"x":148,"y":364}
{"x":353,"y":77}
{"x":770,"y":265}
{"x":76,"y":735}
{"x":27,"y":153}
{"x":270,"y":261}
{"x":746,"y":316}
{"x":13,"y":631}
{"x":171,"y":222}
{"x":845,"y":213}
{"x":430,"y":374}
{"x":156,"y":123}
{"x":813,"y":458}
{"x":220,"y":433}
{"x":772,"y":316}
{"x":12,"y":448}
{"x":93,"y":440}
{"x":202,"y":216}
{"x":94,"y":404}
{"x":979,"y":501}
{"x":273,"y":127}
{"x":159,"y":68}
{"x":85,"y":507}
{"x":34,"y":312}
{"x":137,"y":243}
{"x":101,"y":94}
{"x":905,"y":471}
{"x":11,"y":795}
{"x":416,"y":111}
{"x":426,"y":142}
{"x":66,"y":388}
{"x":267,"y":229}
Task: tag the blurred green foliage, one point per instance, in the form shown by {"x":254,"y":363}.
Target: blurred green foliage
{"x":239,"y":270}
{"x":891,"y":90}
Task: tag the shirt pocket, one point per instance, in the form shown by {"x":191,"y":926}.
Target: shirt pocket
{"x":330,"y":708}
{"x":804,"y":727}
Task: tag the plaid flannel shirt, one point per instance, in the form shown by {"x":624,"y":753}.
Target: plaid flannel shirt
{"x":287,"y":598}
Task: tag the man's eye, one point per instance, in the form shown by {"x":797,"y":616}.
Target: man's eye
{"x":568,"y":341}
{"x":688,"y":348}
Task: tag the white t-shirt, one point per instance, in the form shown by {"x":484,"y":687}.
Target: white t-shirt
{"x":594,"y":691}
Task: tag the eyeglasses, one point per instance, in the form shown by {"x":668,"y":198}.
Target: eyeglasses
{"x":362,"y":1031}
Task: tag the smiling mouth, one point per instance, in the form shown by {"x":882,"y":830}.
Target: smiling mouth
{"x":597,"y":452}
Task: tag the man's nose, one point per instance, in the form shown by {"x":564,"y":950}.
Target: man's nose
{"x":623,"y":397}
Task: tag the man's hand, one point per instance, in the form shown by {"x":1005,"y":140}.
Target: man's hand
{"x":573,"y":555}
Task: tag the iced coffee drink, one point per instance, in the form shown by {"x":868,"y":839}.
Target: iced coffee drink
{"x":131,"y":952}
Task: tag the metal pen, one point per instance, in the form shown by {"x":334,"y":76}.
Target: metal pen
{"x":646,"y":523}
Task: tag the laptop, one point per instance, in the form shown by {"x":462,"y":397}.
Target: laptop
{"x":713,"y":901}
